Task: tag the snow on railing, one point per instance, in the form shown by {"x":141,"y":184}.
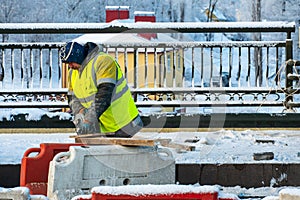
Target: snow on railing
{"x":144,"y":27}
{"x":156,"y":63}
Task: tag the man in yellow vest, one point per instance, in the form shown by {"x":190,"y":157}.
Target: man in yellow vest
{"x":98,"y":95}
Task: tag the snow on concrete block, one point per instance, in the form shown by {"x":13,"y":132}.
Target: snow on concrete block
{"x":289,"y":194}
{"x":83,"y":197}
{"x":155,"y":192}
{"x":17,"y":193}
{"x":76,"y":172}
{"x":38,"y":197}
{"x":225,"y":196}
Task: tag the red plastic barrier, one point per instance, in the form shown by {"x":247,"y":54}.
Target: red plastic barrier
{"x":155,"y":192}
{"x":190,"y":196}
{"x":34,"y":170}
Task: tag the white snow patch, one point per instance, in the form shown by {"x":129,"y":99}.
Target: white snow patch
{"x":19,"y":190}
{"x":13,"y":146}
{"x":81,"y":197}
{"x":137,"y":190}
{"x":32,"y":114}
{"x":271,"y":198}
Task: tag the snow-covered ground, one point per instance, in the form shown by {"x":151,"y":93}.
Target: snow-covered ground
{"x":217,"y":147}
{"x":221,"y":146}
{"x":13,"y":146}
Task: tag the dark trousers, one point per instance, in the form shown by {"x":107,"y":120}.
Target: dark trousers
{"x":130,"y":129}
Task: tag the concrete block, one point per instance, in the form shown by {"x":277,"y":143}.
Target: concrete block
{"x":289,"y":194}
{"x":80,"y":169}
{"x":17,"y":193}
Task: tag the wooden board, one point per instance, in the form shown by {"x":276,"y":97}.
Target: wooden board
{"x":98,"y":139}
{"x":95,"y":135}
{"x":114,"y":141}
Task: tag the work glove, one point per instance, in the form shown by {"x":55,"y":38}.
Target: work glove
{"x":79,"y":117}
{"x":83,"y":125}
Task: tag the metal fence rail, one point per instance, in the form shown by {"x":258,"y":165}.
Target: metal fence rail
{"x":171,"y":74}
{"x":203,"y":64}
{"x":200,"y":66}
{"x":30,"y":65}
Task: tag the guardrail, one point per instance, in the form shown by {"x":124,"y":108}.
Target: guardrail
{"x":161,"y":73}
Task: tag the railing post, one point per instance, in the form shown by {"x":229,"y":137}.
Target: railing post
{"x":288,"y":70}
{"x":297,"y":39}
{"x":135,"y":71}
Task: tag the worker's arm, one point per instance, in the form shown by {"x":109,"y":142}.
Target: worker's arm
{"x":106,"y":76}
{"x":74,"y":104}
{"x":86,"y":121}
{"x":103,"y":98}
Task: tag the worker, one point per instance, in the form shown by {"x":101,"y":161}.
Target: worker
{"x":98,"y":94}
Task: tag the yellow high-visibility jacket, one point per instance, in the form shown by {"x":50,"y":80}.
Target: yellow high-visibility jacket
{"x":102,"y":68}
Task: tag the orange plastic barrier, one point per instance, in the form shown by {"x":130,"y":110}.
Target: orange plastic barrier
{"x":34,"y":170}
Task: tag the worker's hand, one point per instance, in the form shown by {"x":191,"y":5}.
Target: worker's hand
{"x":78,"y":118}
{"x":85,"y":127}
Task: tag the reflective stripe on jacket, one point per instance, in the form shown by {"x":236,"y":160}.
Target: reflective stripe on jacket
{"x":102,"y":68}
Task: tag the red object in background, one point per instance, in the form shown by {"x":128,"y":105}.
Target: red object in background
{"x":34,"y":170}
{"x":116,"y":12}
{"x":186,"y":196}
{"x":140,"y":16}
{"x":144,"y":18}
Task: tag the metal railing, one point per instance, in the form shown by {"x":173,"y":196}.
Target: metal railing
{"x":30,"y":65}
{"x":160,"y":73}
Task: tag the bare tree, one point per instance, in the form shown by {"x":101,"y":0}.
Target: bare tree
{"x":7,"y":10}
{"x":210,"y":11}
{"x":256,"y":16}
